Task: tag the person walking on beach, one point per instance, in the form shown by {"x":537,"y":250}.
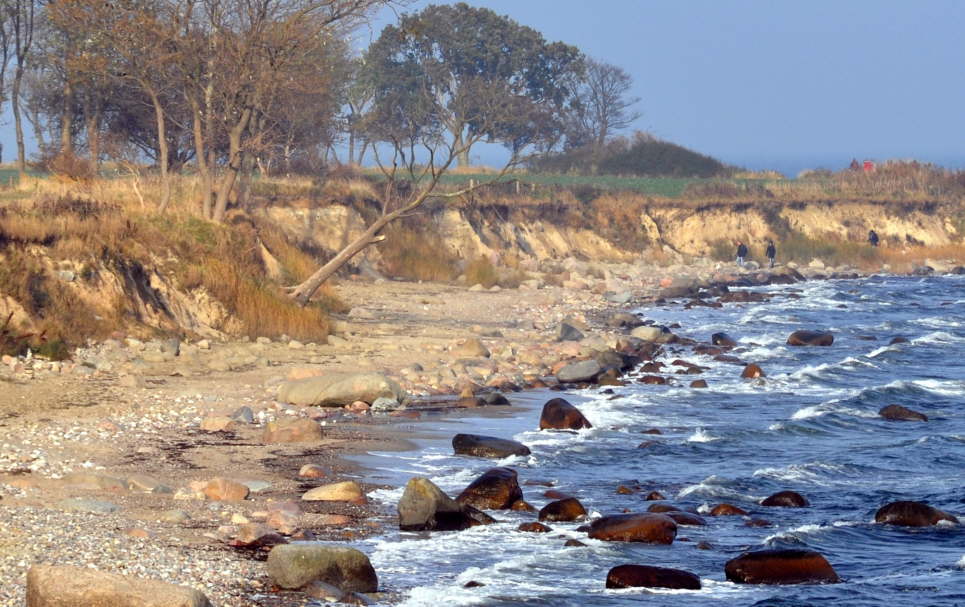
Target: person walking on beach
{"x":741,"y":253}
{"x":873,"y":238}
{"x":771,"y":251}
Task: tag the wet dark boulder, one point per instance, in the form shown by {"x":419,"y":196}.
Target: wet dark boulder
{"x":568,"y":509}
{"x":912,"y":514}
{"x":645,"y":576}
{"x":534,"y":528}
{"x":652,"y":380}
{"x":786,"y":499}
{"x":487,"y":446}
{"x":810,"y":338}
{"x":662,"y":507}
{"x":426,"y":507}
{"x":558,"y":414}
{"x":652,"y":367}
{"x":646,"y":528}
{"x":654,"y":496}
{"x":496,"y":489}
{"x":727,"y":510}
{"x":698,"y":383}
{"x":901,"y":414}
{"x":752,"y":371}
{"x":723,"y":339}
{"x":898,"y":340}
{"x":780,"y":567}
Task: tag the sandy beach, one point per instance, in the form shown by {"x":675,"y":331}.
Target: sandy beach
{"x":104,"y":462}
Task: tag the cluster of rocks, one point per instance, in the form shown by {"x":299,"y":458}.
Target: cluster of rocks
{"x":426,"y":507}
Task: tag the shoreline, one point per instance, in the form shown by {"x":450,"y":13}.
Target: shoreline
{"x":163,"y":439}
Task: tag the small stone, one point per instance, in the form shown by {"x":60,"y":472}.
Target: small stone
{"x":346,"y":491}
{"x":224,"y":490}
{"x":312,"y":471}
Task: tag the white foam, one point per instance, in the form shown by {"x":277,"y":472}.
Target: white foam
{"x":937,"y":337}
{"x":878,"y":352}
{"x":701,"y":436}
{"x":795,"y":533}
{"x":961,"y":562}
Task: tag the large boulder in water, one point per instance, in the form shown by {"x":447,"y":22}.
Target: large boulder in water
{"x":723,"y":339}
{"x":901,"y":414}
{"x":566,"y":509}
{"x":780,"y":567}
{"x":558,"y":414}
{"x":426,"y":507}
{"x":496,"y":489}
{"x":752,"y":371}
{"x":339,"y":389}
{"x":810,"y":338}
{"x":67,"y":586}
{"x":912,"y":514}
{"x":786,"y":499}
{"x":645,"y":576}
{"x":647,"y":528}
{"x":487,"y":446}
{"x":293,"y":566}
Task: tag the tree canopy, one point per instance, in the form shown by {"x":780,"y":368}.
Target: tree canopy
{"x":468,"y":73}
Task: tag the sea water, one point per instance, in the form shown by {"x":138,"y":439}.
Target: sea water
{"x":810,"y":426}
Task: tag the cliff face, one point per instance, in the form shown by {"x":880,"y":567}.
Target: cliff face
{"x":541,"y":233}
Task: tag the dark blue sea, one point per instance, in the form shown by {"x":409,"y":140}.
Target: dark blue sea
{"x":811,"y":426}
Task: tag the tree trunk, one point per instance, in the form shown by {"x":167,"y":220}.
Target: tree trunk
{"x":365,"y":148}
{"x":235,"y":158}
{"x":200,"y":158}
{"x":303,"y":292}
{"x":462,"y":150}
{"x":18,"y":120}
{"x":67,"y":120}
{"x":93,"y":135}
{"x":162,"y":148}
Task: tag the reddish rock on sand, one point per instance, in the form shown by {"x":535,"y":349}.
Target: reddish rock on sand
{"x":780,"y":567}
{"x":647,"y":528}
{"x":810,"y":338}
{"x":558,"y":414}
{"x":637,"y":576}
{"x":569,"y":509}
{"x":496,"y":489}
{"x":786,"y":499}
{"x":912,"y":514}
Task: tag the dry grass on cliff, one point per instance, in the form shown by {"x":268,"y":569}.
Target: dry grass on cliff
{"x":414,"y":254}
{"x":37,"y":236}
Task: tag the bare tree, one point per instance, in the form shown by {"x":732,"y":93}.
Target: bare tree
{"x":21,"y":17}
{"x":421,"y":149}
{"x":604,"y":106}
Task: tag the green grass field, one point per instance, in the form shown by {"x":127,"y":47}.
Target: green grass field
{"x":669,"y":187}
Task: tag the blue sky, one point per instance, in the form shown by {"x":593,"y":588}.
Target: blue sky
{"x":770,"y":84}
{"x":775,"y":83}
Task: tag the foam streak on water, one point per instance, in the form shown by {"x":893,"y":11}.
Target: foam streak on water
{"x":811,"y":426}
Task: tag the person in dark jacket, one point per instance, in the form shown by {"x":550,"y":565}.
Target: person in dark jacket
{"x":873,"y":238}
{"x":771,"y":251}
{"x":741,"y":253}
